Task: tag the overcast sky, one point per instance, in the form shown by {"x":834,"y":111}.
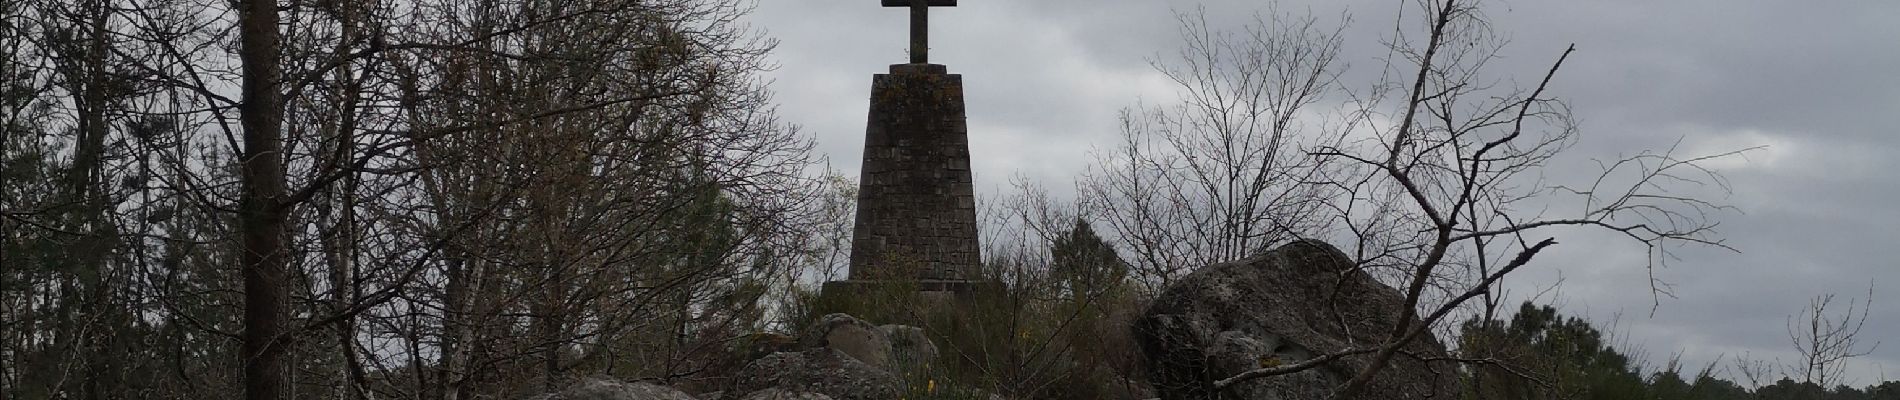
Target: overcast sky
{"x":1816,"y":81}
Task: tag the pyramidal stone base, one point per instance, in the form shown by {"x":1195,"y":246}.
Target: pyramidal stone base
{"x":867,"y":287}
{"x":911,"y":302}
{"x":915,"y":236}
{"x":916,"y":212}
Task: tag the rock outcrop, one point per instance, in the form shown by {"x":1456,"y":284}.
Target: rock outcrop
{"x":779,"y":394}
{"x":604,"y":389}
{"x":1291,"y":304}
{"x":911,"y":351}
{"x":820,"y":370}
{"x":856,"y":338}
{"x":838,"y":357}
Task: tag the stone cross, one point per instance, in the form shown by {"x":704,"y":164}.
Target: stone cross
{"x":916,"y":218}
{"x":920,"y":25}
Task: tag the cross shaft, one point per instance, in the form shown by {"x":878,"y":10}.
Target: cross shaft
{"x":920,"y":25}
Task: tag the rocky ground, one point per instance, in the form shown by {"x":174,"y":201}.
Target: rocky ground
{"x":1280,"y":308}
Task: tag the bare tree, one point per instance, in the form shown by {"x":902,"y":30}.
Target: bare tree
{"x":1753,"y":371}
{"x":1220,"y":175}
{"x":1433,"y":176}
{"x":1826,"y":342}
{"x":828,"y":250}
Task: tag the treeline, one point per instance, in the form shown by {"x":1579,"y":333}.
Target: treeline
{"x":1541,"y":354}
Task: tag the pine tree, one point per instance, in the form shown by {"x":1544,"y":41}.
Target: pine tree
{"x":1085,"y":263}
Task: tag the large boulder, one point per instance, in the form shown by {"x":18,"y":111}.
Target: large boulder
{"x":1296,"y":302}
{"x":780,"y":394}
{"x":723,"y":363}
{"x":856,"y":338}
{"x":604,"y":389}
{"x":753,"y":346}
{"x":911,"y":352}
{"x":821,"y":370}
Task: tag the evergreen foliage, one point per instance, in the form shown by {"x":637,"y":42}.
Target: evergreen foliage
{"x":1542,"y":354}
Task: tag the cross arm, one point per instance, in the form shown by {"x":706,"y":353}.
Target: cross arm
{"x":920,"y":25}
{"x":932,"y":3}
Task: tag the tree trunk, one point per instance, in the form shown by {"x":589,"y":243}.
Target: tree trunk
{"x":455,"y":331}
{"x":552,"y":321}
{"x":90,"y":252}
{"x":262,"y":211}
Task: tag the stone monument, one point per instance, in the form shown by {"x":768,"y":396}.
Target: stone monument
{"x":916,"y":217}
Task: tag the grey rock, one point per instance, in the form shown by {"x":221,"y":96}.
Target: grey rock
{"x":781,"y":394}
{"x":854,"y":337}
{"x":912,"y":352}
{"x":761,"y":344}
{"x":604,"y":389}
{"x":826,"y":371}
{"x":1287,"y":305}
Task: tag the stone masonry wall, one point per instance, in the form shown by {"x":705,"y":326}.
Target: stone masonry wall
{"x":916,"y":209}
